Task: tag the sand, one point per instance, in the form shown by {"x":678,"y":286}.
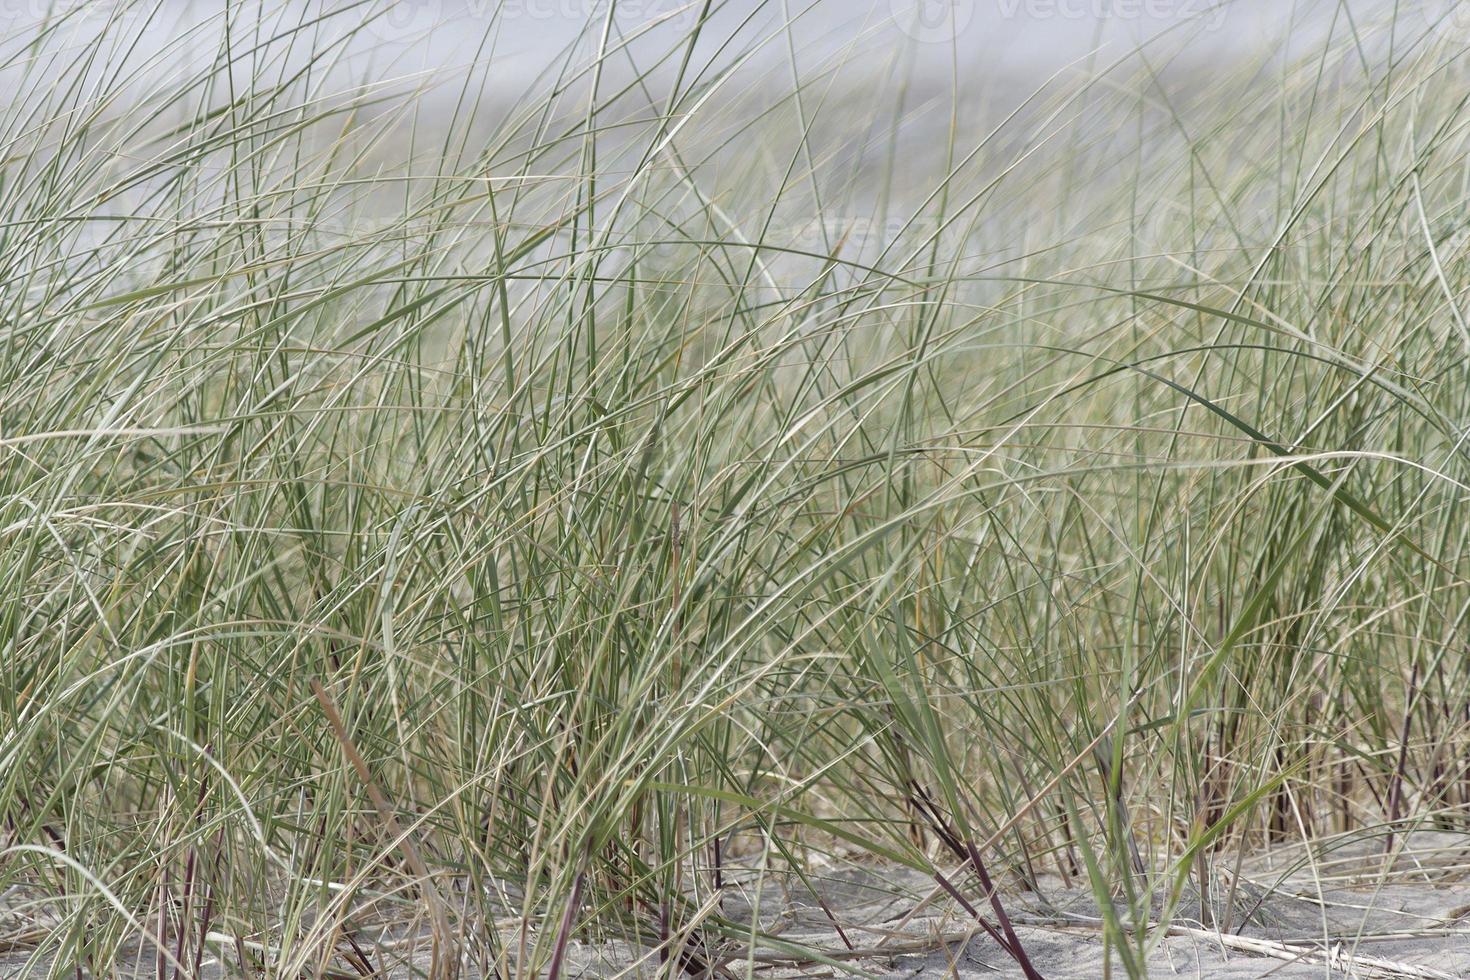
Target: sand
{"x":1333,"y":911}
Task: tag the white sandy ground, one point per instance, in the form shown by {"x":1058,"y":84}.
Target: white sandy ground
{"x":1336,"y":911}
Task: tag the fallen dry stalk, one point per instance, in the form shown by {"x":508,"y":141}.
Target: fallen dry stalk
{"x":442,"y":936}
{"x":1334,"y":956}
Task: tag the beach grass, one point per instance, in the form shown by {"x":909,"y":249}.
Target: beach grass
{"x":514,"y":512}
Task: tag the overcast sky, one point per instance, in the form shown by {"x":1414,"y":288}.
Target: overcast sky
{"x":1010,"y":41}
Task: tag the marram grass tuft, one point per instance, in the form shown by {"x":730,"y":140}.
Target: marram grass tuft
{"x":448,"y":515}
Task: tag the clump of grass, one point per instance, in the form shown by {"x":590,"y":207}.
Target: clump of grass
{"x":502,"y":517}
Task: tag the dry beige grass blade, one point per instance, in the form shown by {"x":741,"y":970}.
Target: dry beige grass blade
{"x":444,"y":962}
{"x":1335,"y":957}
